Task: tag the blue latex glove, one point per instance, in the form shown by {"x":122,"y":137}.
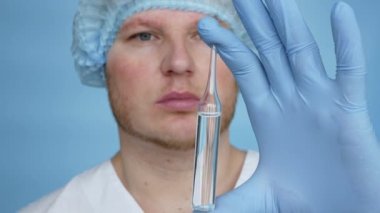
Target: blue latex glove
{"x":318,"y":150}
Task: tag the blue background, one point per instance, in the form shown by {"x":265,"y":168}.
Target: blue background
{"x":52,"y":127}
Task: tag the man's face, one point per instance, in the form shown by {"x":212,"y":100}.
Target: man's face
{"x":157,"y":71}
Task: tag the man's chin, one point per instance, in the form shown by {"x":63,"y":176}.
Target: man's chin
{"x":177,"y":140}
{"x":172,"y":139}
{"x":176,"y":145}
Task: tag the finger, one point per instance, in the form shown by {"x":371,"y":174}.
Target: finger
{"x":258,"y":194}
{"x":300,"y":45}
{"x":350,"y":58}
{"x":243,"y":63}
{"x":263,"y":34}
{"x":255,"y":195}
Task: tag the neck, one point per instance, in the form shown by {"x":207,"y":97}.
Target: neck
{"x":161,"y":178}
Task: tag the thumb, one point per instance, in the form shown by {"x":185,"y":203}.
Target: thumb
{"x":260,"y":195}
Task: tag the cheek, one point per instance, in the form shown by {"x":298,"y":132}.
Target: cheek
{"x":227,"y":87}
{"x":128,"y":73}
{"x":123,"y":69}
{"x":128,"y":80}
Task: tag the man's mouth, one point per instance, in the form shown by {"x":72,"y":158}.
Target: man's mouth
{"x":179,"y":101}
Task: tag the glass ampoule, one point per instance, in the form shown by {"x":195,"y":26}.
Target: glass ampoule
{"x":206,"y":144}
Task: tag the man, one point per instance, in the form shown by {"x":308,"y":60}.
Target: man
{"x":156,"y":72}
{"x":318,"y":152}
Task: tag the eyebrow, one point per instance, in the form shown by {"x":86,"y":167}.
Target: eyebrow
{"x":138,"y":21}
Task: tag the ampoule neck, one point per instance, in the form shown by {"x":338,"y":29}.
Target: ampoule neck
{"x":210,"y":101}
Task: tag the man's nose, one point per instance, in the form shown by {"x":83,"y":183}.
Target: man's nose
{"x":177,"y":58}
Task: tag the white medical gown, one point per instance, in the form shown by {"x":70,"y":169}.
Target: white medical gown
{"x":100,"y":190}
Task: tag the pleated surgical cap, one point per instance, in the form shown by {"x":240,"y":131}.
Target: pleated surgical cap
{"x":97,"y":23}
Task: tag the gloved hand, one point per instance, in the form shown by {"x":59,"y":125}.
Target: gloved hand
{"x":318,"y":150}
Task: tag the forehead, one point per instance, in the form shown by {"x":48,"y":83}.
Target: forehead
{"x":163,"y":17}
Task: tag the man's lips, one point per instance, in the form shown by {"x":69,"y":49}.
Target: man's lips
{"x":179,"y":101}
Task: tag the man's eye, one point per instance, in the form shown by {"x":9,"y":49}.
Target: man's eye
{"x":143,"y":36}
{"x":196,"y":35}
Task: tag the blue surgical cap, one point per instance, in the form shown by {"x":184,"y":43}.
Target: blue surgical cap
{"x":97,"y":22}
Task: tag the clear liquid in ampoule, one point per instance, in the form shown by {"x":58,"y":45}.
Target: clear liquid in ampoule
{"x":206,"y":160}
